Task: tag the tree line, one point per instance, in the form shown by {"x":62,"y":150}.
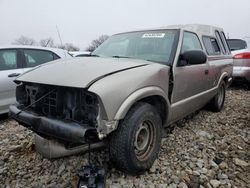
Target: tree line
{"x":49,"y":42}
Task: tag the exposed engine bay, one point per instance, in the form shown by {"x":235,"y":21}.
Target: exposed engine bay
{"x":67,"y":114}
{"x":62,"y":103}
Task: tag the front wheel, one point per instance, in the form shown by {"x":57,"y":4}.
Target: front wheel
{"x":217,"y":103}
{"x":135,"y":144}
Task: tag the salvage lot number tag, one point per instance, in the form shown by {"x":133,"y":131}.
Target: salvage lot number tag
{"x":153,"y":35}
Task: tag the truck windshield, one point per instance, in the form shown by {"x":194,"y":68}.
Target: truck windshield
{"x":157,"y":46}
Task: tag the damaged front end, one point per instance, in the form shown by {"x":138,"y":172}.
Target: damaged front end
{"x":67,"y":114}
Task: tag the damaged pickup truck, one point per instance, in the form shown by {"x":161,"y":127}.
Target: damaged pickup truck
{"x":127,"y":91}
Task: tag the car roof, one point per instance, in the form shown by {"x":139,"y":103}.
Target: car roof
{"x":196,"y":28}
{"x":60,"y":52}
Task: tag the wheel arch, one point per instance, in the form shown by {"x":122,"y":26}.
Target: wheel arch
{"x":151,"y":95}
{"x":224,"y":77}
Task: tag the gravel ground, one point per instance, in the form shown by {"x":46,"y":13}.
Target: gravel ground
{"x":204,"y":150}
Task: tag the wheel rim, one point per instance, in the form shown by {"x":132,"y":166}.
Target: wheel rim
{"x":144,"y":140}
{"x":221,"y":96}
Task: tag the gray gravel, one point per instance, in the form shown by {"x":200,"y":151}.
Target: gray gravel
{"x":204,"y":150}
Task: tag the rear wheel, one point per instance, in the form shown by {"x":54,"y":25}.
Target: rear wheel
{"x":135,"y":145}
{"x":217,"y":103}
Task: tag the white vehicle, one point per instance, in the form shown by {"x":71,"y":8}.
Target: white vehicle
{"x":14,"y":60}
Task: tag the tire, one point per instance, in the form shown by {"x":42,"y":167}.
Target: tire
{"x":135,"y":144}
{"x":217,"y":103}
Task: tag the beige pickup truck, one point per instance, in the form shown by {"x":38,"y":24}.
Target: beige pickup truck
{"x":126,"y":91}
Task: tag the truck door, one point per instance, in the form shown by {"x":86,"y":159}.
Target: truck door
{"x":190,"y":81}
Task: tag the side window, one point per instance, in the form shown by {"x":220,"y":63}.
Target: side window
{"x":55,"y":56}
{"x":190,"y":42}
{"x":211,"y":45}
{"x":37,"y":57}
{"x":218,"y":37}
{"x":8,"y":59}
{"x":224,"y":40}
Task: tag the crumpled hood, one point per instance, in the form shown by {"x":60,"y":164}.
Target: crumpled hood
{"x":78,"y":72}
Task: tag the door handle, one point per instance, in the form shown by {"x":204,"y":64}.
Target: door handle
{"x":206,"y":72}
{"x":13,"y":75}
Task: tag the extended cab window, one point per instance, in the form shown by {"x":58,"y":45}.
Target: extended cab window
{"x":218,"y":37}
{"x":190,"y":42}
{"x":8,"y":59}
{"x":224,"y":40}
{"x":211,"y":45}
{"x":37,"y":57}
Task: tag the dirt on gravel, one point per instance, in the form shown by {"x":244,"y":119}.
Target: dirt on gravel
{"x":204,"y":150}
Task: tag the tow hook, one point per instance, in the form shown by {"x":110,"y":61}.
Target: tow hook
{"x":91,"y":175}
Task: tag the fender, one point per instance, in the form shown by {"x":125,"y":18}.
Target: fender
{"x":223,"y":75}
{"x":138,"y":95}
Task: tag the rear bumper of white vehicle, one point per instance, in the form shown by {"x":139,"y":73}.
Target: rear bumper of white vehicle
{"x":240,"y":72}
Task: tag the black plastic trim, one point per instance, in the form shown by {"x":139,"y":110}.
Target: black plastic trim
{"x":64,"y":130}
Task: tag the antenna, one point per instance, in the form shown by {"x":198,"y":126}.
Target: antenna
{"x":60,"y":40}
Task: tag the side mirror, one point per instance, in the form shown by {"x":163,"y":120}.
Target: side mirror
{"x":192,"y":57}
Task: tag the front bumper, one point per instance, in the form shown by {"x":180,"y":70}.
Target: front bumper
{"x":64,"y":130}
{"x":241,"y":72}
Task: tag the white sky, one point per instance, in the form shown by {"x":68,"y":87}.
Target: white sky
{"x":81,"y":21}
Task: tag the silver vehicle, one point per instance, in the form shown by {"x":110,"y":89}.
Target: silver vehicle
{"x":15,"y":60}
{"x":131,"y":87}
{"x":241,"y":54}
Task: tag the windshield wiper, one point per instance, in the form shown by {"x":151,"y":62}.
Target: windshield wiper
{"x":93,"y":55}
{"x":118,"y":56}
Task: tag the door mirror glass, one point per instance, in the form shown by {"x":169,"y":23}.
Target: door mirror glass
{"x":192,"y":57}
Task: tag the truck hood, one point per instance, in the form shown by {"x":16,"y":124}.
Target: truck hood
{"x":78,"y":72}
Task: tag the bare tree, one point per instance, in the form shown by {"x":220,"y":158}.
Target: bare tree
{"x":97,"y":42}
{"x":48,"y":42}
{"x":24,"y":41}
{"x":68,"y":47}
